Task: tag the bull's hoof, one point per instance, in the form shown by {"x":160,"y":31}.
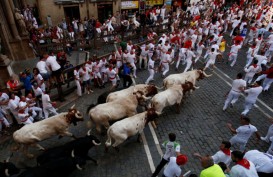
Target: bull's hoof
{"x":30,"y":156}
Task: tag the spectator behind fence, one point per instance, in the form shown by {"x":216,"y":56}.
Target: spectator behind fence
{"x":13,"y":86}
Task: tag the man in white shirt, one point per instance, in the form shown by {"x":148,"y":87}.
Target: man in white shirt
{"x":166,"y":62}
{"x":151,"y":69}
{"x":47,"y":105}
{"x":4,"y":101}
{"x":223,"y":155}
{"x":143,"y":56}
{"x":211,"y":58}
{"x":238,"y":86}
{"x":252,"y":95}
{"x":243,"y":133}
{"x":234,"y":53}
{"x":173,"y":168}
{"x":263,"y":162}
{"x":14,"y":106}
{"x":132,"y":61}
{"x":112,"y":75}
{"x":243,"y":167}
{"x":54,"y":66}
{"x":189,"y":55}
{"x":251,"y":71}
{"x":172,"y":150}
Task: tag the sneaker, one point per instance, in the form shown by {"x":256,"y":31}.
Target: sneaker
{"x":231,"y":105}
{"x":264,"y":139}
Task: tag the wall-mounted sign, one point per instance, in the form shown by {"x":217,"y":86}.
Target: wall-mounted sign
{"x":154,"y":2}
{"x":129,"y":4}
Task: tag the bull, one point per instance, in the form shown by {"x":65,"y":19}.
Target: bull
{"x":31,"y":134}
{"x":148,"y":90}
{"x":181,"y":78}
{"x":60,"y":167}
{"x":172,"y":96}
{"x":115,"y":110}
{"x":121,"y":130}
{"x":81,"y":147}
{"x":8,"y":169}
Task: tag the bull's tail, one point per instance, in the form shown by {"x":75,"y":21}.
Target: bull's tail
{"x":109,"y":139}
{"x":90,"y":107}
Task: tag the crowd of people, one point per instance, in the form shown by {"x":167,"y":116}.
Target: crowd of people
{"x":197,"y":32}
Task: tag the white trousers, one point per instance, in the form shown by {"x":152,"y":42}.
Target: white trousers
{"x":233,"y":58}
{"x":180,"y":58}
{"x":266,"y":84}
{"x":134,"y":69}
{"x":241,"y":142}
{"x":79,"y":88}
{"x":261,"y":77}
{"x":39,"y":110}
{"x":248,"y":61}
{"x":269,"y":132}
{"x":48,"y":110}
{"x":248,"y":79}
{"x":166,"y":68}
{"x":143,"y":59}
{"x":151,"y":76}
{"x":188,"y":66}
{"x":248,"y":105}
{"x":231,"y":98}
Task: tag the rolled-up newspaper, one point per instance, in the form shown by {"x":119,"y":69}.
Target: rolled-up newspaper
{"x":187,"y":173}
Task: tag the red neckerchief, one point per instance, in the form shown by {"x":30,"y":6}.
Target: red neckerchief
{"x":226,"y":151}
{"x":110,"y":69}
{"x":254,"y":65}
{"x":259,"y":38}
{"x":253,"y":47}
{"x":245,"y":163}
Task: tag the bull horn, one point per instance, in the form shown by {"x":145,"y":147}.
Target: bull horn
{"x":196,"y":87}
{"x":159,"y":88}
{"x":158,"y":113}
{"x":7,"y":172}
{"x":72,"y":107}
{"x":77,"y":116}
{"x":89,"y":133}
{"x":9,"y":157}
{"x":96,"y":144}
{"x":206,"y":75}
{"x":146,"y":98}
{"x":78,"y":167}
{"x":72,"y":153}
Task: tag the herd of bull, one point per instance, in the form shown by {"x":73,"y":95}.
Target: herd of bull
{"x":63,"y":160}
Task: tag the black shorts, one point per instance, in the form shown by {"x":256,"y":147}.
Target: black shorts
{"x":57,"y":73}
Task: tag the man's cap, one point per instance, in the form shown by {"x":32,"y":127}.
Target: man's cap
{"x":181,"y":160}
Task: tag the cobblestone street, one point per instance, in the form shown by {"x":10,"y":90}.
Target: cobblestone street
{"x":200,"y":127}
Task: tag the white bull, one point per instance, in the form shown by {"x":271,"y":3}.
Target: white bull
{"x":173,"y":95}
{"x":148,"y":90}
{"x":31,"y":134}
{"x":121,"y":130}
{"x":115,"y":110}
{"x":190,"y":76}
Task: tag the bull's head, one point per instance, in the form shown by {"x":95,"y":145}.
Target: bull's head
{"x":78,"y":161}
{"x":202,"y":74}
{"x":150,"y":90}
{"x":74,"y":116}
{"x":141,"y":98}
{"x":95,"y":140}
{"x":151,"y":115}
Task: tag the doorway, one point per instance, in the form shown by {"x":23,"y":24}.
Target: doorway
{"x":104,"y":10}
{"x":71,"y":12}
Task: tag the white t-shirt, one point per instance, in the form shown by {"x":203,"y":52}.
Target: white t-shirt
{"x":151,"y":64}
{"x":51,"y":61}
{"x":13,"y":104}
{"x":76,"y":74}
{"x":240,"y":171}
{"x":235,"y":48}
{"x":262,"y":161}
{"x":260,"y":59}
{"x":171,"y":149}
{"x":221,"y":157}
{"x":38,"y":91}
{"x":237,"y":84}
{"x":253,"y":93}
{"x":244,"y":132}
{"x":172,"y":170}
{"x":85,"y":74}
{"x":3,"y":98}
{"x":41,"y":65}
{"x":111,"y":73}
{"x":251,"y":71}
{"x":46,"y":101}
{"x":131,"y":58}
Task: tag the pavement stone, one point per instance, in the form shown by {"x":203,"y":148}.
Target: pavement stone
{"x":200,"y":127}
